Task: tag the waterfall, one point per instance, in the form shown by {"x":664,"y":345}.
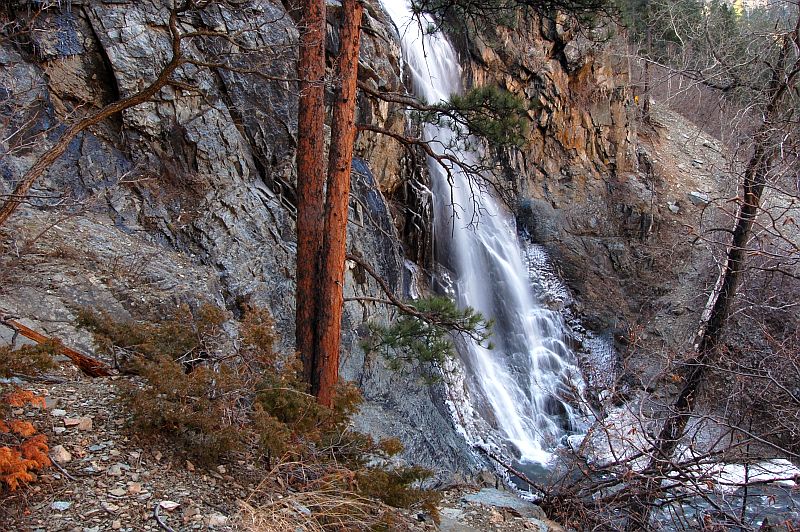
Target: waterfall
{"x":511,"y":397}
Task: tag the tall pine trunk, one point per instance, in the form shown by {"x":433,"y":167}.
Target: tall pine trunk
{"x":310,"y":176}
{"x":331,"y":273}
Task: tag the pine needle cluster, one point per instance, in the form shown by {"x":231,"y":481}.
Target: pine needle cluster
{"x":489,"y":113}
{"x":23,"y":450}
{"x":425,"y":340}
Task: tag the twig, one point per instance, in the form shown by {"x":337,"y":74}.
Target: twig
{"x":63,"y":471}
{"x":160,"y":522}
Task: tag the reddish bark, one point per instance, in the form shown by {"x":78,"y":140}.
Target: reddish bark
{"x":310,"y":176}
{"x":331,"y":275}
{"x":88,"y":365}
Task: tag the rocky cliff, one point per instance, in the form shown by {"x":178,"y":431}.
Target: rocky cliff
{"x":189,"y":197}
{"x":615,"y":200}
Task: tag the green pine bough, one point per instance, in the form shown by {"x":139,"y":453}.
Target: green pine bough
{"x":426,"y":339}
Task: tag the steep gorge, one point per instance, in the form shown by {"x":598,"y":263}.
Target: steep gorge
{"x":190,"y":197}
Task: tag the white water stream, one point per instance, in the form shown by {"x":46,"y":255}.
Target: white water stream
{"x":511,"y":397}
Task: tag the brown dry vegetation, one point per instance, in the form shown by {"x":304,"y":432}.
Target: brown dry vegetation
{"x":23,"y":449}
{"x":206,"y":397}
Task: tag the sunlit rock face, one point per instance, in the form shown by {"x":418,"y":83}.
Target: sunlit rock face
{"x":602,"y":191}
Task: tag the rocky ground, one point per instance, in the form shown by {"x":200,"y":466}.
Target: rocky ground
{"x":105,"y":478}
{"x":490,"y":509}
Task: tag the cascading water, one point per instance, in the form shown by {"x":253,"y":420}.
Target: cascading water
{"x":512,"y":396}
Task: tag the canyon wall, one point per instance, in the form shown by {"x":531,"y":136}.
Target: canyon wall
{"x":190,"y":197}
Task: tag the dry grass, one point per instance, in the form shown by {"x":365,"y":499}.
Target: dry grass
{"x":297,"y":498}
{"x":332,"y":510}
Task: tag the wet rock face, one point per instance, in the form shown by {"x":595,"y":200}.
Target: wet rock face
{"x":606,"y":196}
{"x":579,"y":189}
{"x":190,"y":196}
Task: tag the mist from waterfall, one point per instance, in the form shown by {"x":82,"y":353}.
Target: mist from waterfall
{"x":511,"y":397}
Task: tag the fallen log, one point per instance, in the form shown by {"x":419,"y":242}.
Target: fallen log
{"x":87,"y":364}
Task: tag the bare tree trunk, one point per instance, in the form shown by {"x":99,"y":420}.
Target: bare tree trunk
{"x":646,"y":90}
{"x":331,"y":274}
{"x":88,"y":365}
{"x":718,"y":310}
{"x":310,"y":176}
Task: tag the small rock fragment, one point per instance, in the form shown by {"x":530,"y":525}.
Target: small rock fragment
{"x":60,"y":506}
{"x":59,"y":430}
{"x":72,"y":421}
{"x":117,"y":492}
{"x":60,"y":454}
{"x":114,"y":470}
{"x":189,"y":465}
{"x":169,"y":505}
{"x":57,"y":412}
{"x":495,"y":516}
{"x":699,"y":198}
{"x":301,"y":508}
{"x":85,"y":423}
{"x":134,"y":488}
{"x":217,"y":519}
{"x":116,"y":525}
{"x":424,"y":517}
